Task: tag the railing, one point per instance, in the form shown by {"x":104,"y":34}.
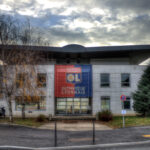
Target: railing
{"x":58,"y":120}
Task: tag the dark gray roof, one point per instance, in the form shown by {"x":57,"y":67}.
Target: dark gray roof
{"x":74,"y":48}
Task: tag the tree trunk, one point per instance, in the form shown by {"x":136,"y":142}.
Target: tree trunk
{"x":10,"y":111}
{"x":23,"y":111}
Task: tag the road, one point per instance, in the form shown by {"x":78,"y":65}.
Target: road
{"x":135,"y":147}
{"x":30,"y":137}
{"x":125,"y":147}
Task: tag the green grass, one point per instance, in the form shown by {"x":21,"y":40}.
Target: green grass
{"x":25,"y":122}
{"x":129,"y":121}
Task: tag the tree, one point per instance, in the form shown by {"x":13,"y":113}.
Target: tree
{"x":14,"y":61}
{"x":9,"y":30}
{"x":26,"y":79}
{"x":142,"y":95}
{"x":19,"y":78}
{"x":8,"y":35}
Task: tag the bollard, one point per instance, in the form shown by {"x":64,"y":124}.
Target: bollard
{"x":55,"y":135}
{"x":93,"y":131}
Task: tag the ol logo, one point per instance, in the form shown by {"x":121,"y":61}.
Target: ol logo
{"x":73,"y":77}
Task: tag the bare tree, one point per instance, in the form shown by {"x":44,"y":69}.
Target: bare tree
{"x":8,"y":35}
{"x":26,"y":79}
{"x":9,"y":30}
{"x":14,"y":60}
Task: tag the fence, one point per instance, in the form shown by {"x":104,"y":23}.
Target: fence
{"x":79,"y":135}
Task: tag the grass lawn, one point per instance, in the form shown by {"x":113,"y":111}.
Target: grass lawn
{"x":115,"y":123}
{"x":129,"y":121}
{"x":26,"y":122}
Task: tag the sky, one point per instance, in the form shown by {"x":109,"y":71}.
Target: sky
{"x":85,"y":22}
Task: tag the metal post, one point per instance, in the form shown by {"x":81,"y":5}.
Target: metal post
{"x":123,"y":121}
{"x":123,"y":117}
{"x":55,"y":135}
{"x":93,"y":131}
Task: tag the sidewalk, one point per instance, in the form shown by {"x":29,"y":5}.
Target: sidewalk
{"x":77,"y":126}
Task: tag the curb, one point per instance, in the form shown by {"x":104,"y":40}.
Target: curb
{"x":39,"y":128}
{"x":76,"y":147}
{"x":23,"y":126}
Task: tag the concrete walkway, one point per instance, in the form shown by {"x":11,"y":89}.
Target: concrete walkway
{"x":76,"y":126}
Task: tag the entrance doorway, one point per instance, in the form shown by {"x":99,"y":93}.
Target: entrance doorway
{"x":73,"y":106}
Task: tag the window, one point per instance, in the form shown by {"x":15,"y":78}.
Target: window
{"x":105,"y":80}
{"x":31,"y":103}
{"x":105,"y":103}
{"x":41,"y":80}
{"x":125,"y":80}
{"x":127,"y":103}
{"x":20,"y":79}
{"x":73,"y":106}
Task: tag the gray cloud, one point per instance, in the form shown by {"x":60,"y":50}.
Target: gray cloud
{"x":102,"y":22}
{"x":64,"y":34}
{"x":134,"y":5}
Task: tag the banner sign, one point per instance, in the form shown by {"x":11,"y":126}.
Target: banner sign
{"x":73,"y":81}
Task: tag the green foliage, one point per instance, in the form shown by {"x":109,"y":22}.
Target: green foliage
{"x":105,"y":115}
{"x":142,"y":95}
{"x":41,"y":118}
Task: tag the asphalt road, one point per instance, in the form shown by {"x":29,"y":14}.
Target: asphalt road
{"x":133,"y":147}
{"x":30,"y":137}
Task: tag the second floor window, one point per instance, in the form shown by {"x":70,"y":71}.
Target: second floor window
{"x":105,"y":81}
{"x":125,"y":79}
{"x":20,"y":79}
{"x":41,"y":80}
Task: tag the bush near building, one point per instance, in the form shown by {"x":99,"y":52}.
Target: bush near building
{"x":142,"y":95}
{"x":105,"y":115}
{"x":41,"y":118}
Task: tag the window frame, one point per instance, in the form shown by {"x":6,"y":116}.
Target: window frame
{"x":102,"y":98}
{"x":125,"y":86}
{"x":43,"y":85}
{"x":19,"y":78}
{"x":104,"y":83}
{"x":42,"y":98}
{"x":128,"y":99}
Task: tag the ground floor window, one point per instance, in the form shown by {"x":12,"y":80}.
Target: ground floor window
{"x":105,"y":103}
{"x":73,"y":106}
{"x":127,"y":103}
{"x":31,"y":103}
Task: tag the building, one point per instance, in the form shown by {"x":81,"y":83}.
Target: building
{"x":81,"y":80}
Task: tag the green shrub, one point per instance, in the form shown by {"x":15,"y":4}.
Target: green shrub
{"x":41,"y":118}
{"x":105,"y":115}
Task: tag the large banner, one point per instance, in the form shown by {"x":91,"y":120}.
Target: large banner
{"x":73,"y":81}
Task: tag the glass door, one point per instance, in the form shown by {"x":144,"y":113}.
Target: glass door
{"x":85,"y":106}
{"x":77,"y":105}
{"x":73,"y":106}
{"x":61,"y":106}
{"x":69,"y":106}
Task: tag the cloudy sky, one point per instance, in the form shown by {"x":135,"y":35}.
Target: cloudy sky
{"x":86,"y":22}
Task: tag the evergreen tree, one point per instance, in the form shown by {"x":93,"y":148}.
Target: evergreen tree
{"x":142,"y":95}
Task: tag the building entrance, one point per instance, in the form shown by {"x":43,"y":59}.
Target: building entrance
{"x":73,"y":89}
{"x":73,"y":106}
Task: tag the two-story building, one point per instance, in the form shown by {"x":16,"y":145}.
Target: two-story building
{"x":80,"y":80}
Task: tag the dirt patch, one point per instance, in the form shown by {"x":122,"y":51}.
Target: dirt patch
{"x":81,"y":139}
{"x":75,"y":126}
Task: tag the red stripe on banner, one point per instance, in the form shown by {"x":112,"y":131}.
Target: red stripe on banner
{"x":62,"y":87}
